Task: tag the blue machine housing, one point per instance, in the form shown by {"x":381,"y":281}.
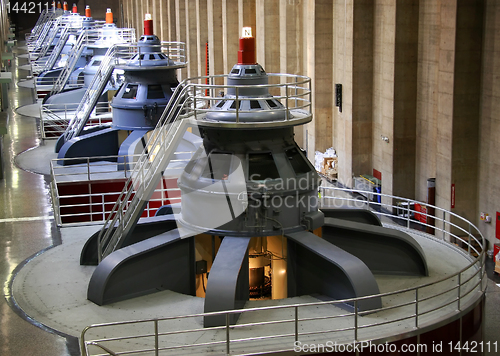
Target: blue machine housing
{"x":150,"y":80}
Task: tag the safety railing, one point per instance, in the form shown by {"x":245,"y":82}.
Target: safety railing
{"x":408,"y":311}
{"x":34,"y":43}
{"x":402,"y":212}
{"x":88,"y":207}
{"x":292,"y":91}
{"x":57,"y":28}
{"x":85,"y":39}
{"x":174,"y":50}
{"x":42,"y":19}
{"x":48,"y":63}
{"x":94,"y":91}
{"x":55,"y":118}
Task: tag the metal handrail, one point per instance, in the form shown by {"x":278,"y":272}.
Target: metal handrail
{"x":407,"y":217}
{"x":85,"y":38}
{"x":56,"y":118}
{"x":174,"y":50}
{"x":466,"y":283}
{"x":59,"y":26}
{"x":56,"y":52}
{"x":296,"y":94}
{"x":41,"y":37}
{"x":64,"y":170}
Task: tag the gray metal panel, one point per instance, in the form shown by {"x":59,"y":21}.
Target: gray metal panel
{"x":352,"y":214}
{"x":96,"y":143}
{"x":315,"y":266}
{"x":145,"y":228}
{"x":383,"y":250}
{"x":165,"y":261}
{"x":227,"y":285}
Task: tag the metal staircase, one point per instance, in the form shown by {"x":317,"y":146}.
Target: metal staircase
{"x":58,"y":27}
{"x":147,"y":173}
{"x":56,"y":53}
{"x":43,"y":21}
{"x":74,"y":56}
{"x":40,"y":65}
{"x":49,"y":25}
{"x":92,"y":95}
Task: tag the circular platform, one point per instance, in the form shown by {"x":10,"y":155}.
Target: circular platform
{"x":52,"y":287}
{"x":37,"y":159}
{"x":25,"y":67}
{"x":26,"y":83}
{"x":31,"y":110}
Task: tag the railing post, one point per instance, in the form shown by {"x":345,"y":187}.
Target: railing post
{"x":286,"y":101}
{"x":237,"y":106}
{"x":408,"y":214}
{"x":416,"y":308}
{"x":356,"y":320}
{"x":458,"y":289}
{"x":227,"y":334}
{"x":296,"y":323}
{"x":470,"y":238}
{"x":444,"y":225}
{"x":156,"y":337}
{"x":88,"y":168}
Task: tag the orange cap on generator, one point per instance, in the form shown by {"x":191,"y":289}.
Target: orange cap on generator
{"x":109,"y":16}
{"x":87,"y":11}
{"x":75,"y":9}
{"x":148,"y":25}
{"x":65,"y":6}
{"x":59,"y":5}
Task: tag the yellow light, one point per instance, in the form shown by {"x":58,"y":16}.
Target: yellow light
{"x":247,"y":32}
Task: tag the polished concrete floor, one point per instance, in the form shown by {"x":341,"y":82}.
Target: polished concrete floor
{"x":27,"y":229}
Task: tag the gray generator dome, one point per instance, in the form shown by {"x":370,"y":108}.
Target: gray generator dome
{"x":248,"y":94}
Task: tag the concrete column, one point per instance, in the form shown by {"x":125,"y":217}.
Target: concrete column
{"x":139,"y":18}
{"x":181,"y":31}
{"x":383,"y":101}
{"x":362,"y":85}
{"x":215,"y":46}
{"x":458,"y":106}
{"x":153,"y":10}
{"x":489,"y":144}
{"x":267,"y":34}
{"x":427,"y":95}
{"x":291,"y":47}
{"x":246,"y":15}
{"x":394,"y":96}
{"x":319,"y":35}
{"x":342,"y":54}
{"x":353,"y":60}
{"x":191,"y":39}
{"x":447,"y":42}
{"x":171,"y":21}
{"x":230,"y":34}
{"x":201,"y":35}
{"x":162,"y":29}
{"x":405,"y":99}
{"x":126,"y":13}
{"x":466,"y":107}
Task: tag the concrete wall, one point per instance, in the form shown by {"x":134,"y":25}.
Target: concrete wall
{"x":423,"y":73}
